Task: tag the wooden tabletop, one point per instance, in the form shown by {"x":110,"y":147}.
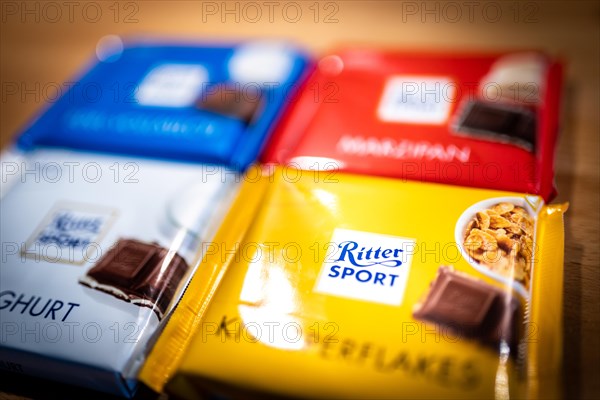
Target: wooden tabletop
{"x":43,"y":44}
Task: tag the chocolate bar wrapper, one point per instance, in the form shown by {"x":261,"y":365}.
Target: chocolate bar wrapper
{"x":373,"y":288}
{"x":106,"y":204}
{"x":209,"y":102}
{"x":92,"y":268}
{"x":480,"y":120}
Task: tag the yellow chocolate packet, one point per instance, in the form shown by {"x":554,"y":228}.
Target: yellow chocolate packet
{"x":344,"y":286}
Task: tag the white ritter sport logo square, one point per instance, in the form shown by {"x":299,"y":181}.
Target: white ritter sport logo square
{"x":70,"y":233}
{"x":366,"y":266}
{"x":417,"y":100}
{"x":172,"y":85}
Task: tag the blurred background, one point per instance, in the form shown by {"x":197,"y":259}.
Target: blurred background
{"x":46,"y":43}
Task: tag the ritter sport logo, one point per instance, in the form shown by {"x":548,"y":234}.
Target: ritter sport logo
{"x":366,"y":266}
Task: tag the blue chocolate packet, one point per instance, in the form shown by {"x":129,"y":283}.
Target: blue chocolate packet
{"x":197,"y":103}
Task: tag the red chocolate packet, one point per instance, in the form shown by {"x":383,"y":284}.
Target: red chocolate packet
{"x":488,"y":121}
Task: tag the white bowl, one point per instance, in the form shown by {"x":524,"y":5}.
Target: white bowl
{"x":459,"y":237}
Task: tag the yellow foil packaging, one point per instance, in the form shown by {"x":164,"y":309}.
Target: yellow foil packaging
{"x":344,"y":286}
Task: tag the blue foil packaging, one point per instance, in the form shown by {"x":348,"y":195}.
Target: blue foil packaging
{"x":159,"y":101}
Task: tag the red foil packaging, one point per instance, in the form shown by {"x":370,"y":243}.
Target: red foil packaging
{"x":480,"y":120}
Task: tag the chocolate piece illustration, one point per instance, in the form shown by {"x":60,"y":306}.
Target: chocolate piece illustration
{"x":141,"y":273}
{"x":500,"y":122}
{"x":471,"y":308}
{"x":230,"y":101}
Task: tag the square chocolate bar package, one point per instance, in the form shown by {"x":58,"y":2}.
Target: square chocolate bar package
{"x":370,"y":287}
{"x":480,"y":120}
{"x":107,"y":204}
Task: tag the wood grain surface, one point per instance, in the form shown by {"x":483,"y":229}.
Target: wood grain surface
{"x":43,"y":46}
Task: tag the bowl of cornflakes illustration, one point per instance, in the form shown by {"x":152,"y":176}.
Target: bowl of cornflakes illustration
{"x":496,"y":237}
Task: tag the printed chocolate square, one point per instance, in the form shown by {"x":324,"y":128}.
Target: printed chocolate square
{"x":123,"y":263}
{"x":499,"y":122}
{"x":471,"y":308}
{"x":230,"y":101}
{"x":141,"y":273}
{"x":160,"y":284}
